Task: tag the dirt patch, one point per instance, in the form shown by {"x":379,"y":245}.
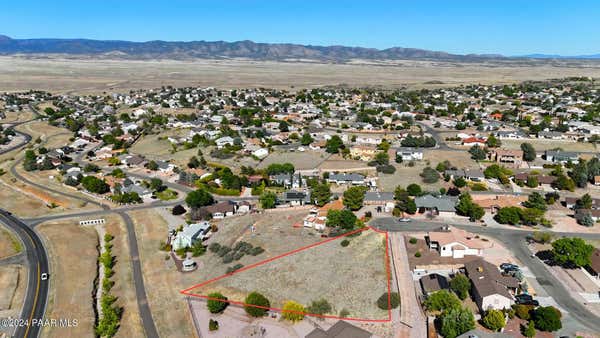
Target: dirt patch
{"x":307,"y":275}
{"x":12,"y":277}
{"x":9,"y":244}
{"x":300,"y":160}
{"x":73,"y":257}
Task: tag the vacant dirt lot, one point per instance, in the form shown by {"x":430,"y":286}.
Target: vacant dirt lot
{"x":85,"y":76}
{"x":9,"y":244}
{"x":13,"y":281}
{"x":301,"y":160}
{"x":541,"y":145}
{"x":73,"y":257}
{"x":355,"y":283}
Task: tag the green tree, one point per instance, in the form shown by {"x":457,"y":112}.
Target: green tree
{"x":585,"y":202}
{"x":334,"y":145}
{"x":572,"y":252}
{"x":456,"y":321}
{"x":460,"y":182}
{"x":199,"y":198}
{"x":528,"y":152}
{"x":493,"y":142}
{"x":321,"y":194}
{"x":268,"y":200}
{"x":95,"y":185}
{"x":536,"y":201}
{"x":193,"y":162}
{"x":494,"y":320}
{"x":403,"y":201}
{"x":306,"y":139}
{"x":394,"y":301}
{"x":354,"y":197}
{"x":429,"y":175}
{"x":441,"y":300}
{"x":508,"y":215}
{"x":344,"y":219}
{"x":461,"y":285}
{"x":256,"y":304}
{"x":547,"y":318}
{"x":477,"y":153}
{"x":579,"y":174}
{"x":529,"y":331}
{"x":414,"y":189}
{"x":216,"y":302}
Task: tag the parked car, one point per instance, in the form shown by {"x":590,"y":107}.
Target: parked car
{"x":525,"y":299}
{"x":509,"y":267}
{"x":404,"y":220}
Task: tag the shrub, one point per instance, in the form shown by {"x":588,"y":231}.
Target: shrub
{"x":344,"y":313}
{"x":213,"y":325}
{"x":382,"y":301}
{"x":494,"y":320}
{"x":238,"y":255}
{"x":256,"y":304}
{"x":223,"y":250}
{"x":319,"y":307}
{"x":228,"y":258}
{"x":345,"y":243}
{"x":234,"y":268}
{"x":461,"y":285}
{"x":214,"y":304}
{"x":523,"y":311}
{"x":214,"y":247}
{"x":547,"y":318}
{"x":418,"y":254}
{"x":293,"y":311}
{"x":412,"y":240}
{"x":442,"y":300}
{"x":256,"y":251}
{"x":178,"y":210}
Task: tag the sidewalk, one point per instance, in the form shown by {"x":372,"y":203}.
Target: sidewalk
{"x":413,"y":322}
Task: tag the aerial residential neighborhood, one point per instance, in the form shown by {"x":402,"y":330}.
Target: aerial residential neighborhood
{"x":193,"y":188}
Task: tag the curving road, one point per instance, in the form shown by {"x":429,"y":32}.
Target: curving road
{"x":514,"y":241}
{"x":34,"y":304}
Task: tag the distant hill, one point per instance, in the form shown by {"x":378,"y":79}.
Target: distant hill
{"x":220,"y":49}
{"x":555,"y":56}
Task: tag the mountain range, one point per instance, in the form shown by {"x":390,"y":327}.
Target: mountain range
{"x":238,"y":49}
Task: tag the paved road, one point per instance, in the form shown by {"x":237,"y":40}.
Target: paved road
{"x":34,"y":305}
{"x":27,"y":137}
{"x":138,"y":279}
{"x":514,"y":241}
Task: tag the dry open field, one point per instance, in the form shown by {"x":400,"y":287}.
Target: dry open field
{"x":84,"y":75}
{"x":359,"y":277}
{"x":73,"y":257}
{"x":541,"y":145}
{"x":301,"y":160}
{"x":9,"y":243}
{"x":13,"y":282}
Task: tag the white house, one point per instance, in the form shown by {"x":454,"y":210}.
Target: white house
{"x":260,"y":153}
{"x":191,"y":234}
{"x":223,"y":141}
{"x":490,"y":289}
{"x":410,"y":154}
{"x":455,"y":243}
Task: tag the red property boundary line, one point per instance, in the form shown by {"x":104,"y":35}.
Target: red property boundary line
{"x":387,"y":268}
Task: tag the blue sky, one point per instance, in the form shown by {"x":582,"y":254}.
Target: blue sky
{"x":507,"y":27}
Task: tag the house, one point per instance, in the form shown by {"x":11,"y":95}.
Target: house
{"x":474,"y":141}
{"x":510,"y":158}
{"x":132,"y":160}
{"x":511,"y":135}
{"x":594,"y":213}
{"x":478,"y":333}
{"x":380,"y":198}
{"x":433,"y":282}
{"x":490,"y":289}
{"x":594,"y":267}
{"x":243,"y":207}
{"x":475,"y":175}
{"x":219,"y":210}
{"x":341,"y":329}
{"x":443,"y":205}
{"x":223,"y":141}
{"x":295,"y":198}
{"x":191,"y":234}
{"x":551,"y":135}
{"x":456,"y":243}
{"x":317,"y":218}
{"x":570,"y":202}
{"x":409,"y":154}
{"x":559,"y":156}
{"x":343,"y":178}
{"x":260,"y":153}
{"x":165,"y":167}
{"x":134,"y":188}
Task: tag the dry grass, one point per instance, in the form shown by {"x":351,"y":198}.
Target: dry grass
{"x":12,"y":284}
{"x":9,"y":244}
{"x":97,"y":76}
{"x":301,"y":160}
{"x":541,"y":145}
{"x":162,"y":281}
{"x":73,"y":257}
{"x":330,"y":271}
